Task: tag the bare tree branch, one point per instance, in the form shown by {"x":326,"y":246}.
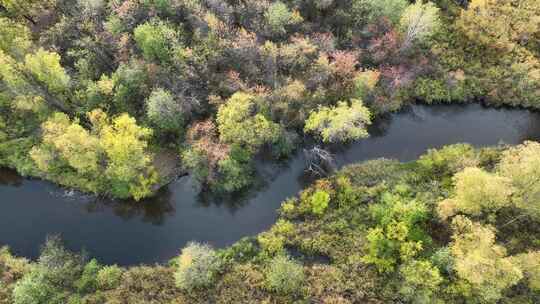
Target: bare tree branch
{"x":319,"y":162}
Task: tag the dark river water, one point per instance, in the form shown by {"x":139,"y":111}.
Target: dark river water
{"x":155,"y":230}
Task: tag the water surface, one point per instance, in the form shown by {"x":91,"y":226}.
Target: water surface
{"x":155,"y":230}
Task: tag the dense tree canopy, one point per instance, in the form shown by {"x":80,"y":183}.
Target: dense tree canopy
{"x":15,"y":38}
{"x":109,"y":157}
{"x":46,"y":68}
{"x":342,"y":123}
{"x":477,"y":191}
{"x":479,"y":262}
{"x":522,"y":166}
{"x":240,"y":122}
{"x":418,"y":22}
{"x":165,"y":112}
{"x":502,"y":24}
{"x":157,"y":41}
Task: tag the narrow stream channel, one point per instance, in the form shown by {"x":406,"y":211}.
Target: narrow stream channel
{"x":156,"y":230}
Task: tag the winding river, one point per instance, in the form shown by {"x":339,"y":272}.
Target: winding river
{"x":155,"y":230}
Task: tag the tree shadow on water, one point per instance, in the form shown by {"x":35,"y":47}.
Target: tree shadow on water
{"x":154,"y":210}
{"x":266,"y":172}
{"x":232,"y":202}
{"x":10,"y":177}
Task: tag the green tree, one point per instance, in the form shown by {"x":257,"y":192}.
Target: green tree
{"x":35,"y":289}
{"x":370,"y":11}
{"x":12,"y":77}
{"x":164,"y":111}
{"x":129,"y":165}
{"x":87,"y":282}
{"x":278,"y":17}
{"x":223,"y":167}
{"x":198,"y":265}
{"x":53,"y":279}
{"x":68,"y":153}
{"x":15,"y":38}
{"x":284,"y":275}
{"x":27,"y":9}
{"x":319,"y":202}
{"x":419,"y":22}
{"x":421,"y":281}
{"x":109,"y":277}
{"x":398,"y":234}
{"x":234,"y":172}
{"x":342,"y":123}
{"x":157,"y":40}
{"x":501,"y":24}
{"x":98,"y":94}
{"x":529,"y":262}
{"x":521,"y":164}
{"x":196,"y":161}
{"x":240,"y":123}
{"x":12,"y":270}
{"x":45,"y":67}
{"x":448,"y":160}
{"x":365,"y":83}
{"x":110,"y":158}
{"x":73,"y":143}
{"x":37,"y":77}
{"x":482,"y":266}
{"x":477,"y":191}
{"x":131,"y":88}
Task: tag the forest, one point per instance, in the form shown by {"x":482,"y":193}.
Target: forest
{"x":117,"y":98}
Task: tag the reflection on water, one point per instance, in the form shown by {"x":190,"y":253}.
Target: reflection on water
{"x":153,"y":211}
{"x":154,"y":230}
{"x":10,"y":177}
